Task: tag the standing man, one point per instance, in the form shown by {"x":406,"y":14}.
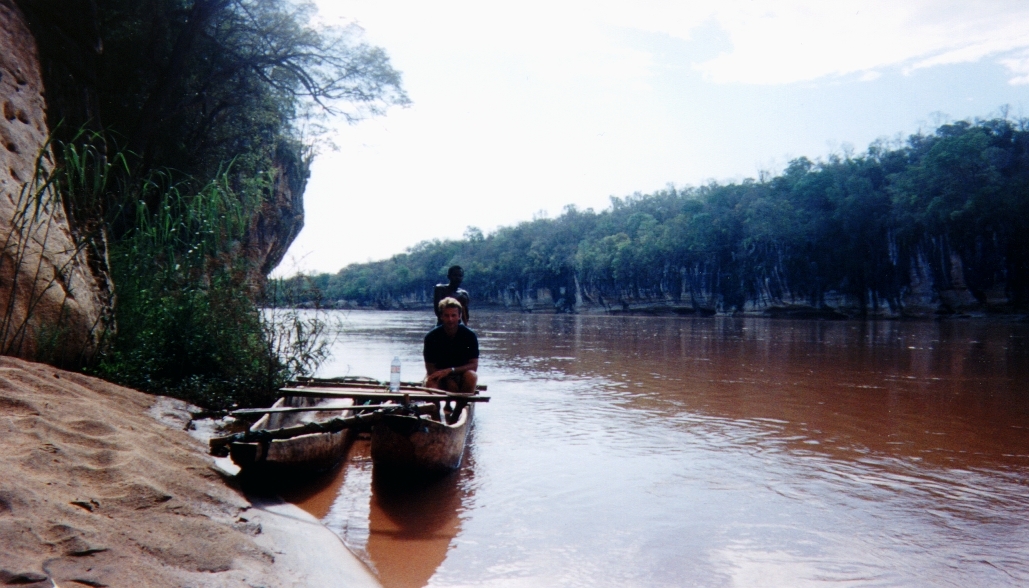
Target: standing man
{"x":452,"y":290}
{"x":451,"y":352}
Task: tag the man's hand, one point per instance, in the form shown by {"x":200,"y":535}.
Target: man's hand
{"x":432,"y":380}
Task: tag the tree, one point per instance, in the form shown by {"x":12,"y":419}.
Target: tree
{"x":189,"y":85}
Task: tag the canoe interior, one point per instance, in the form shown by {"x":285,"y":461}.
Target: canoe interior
{"x":420,"y":445}
{"x":305,"y":454}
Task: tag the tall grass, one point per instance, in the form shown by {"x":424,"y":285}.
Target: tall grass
{"x":187,"y":322}
{"x":40,"y":262}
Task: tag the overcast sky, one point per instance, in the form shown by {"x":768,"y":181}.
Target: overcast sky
{"x":521,"y":108}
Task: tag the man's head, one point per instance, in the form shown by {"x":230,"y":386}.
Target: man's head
{"x":449,"y":314}
{"x":455,"y":274}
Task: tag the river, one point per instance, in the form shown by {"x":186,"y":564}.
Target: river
{"x":638,"y":451}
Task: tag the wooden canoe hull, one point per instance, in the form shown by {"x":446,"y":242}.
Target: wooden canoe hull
{"x":420,"y":445}
{"x":302,"y":455}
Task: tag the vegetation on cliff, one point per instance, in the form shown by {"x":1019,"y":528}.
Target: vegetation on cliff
{"x":184,"y":128}
{"x":870,"y":228}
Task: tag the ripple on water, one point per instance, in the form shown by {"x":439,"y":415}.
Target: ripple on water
{"x":622,"y":451}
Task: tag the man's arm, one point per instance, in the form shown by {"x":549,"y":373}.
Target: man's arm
{"x":438,"y":293}
{"x":433,"y":375}
{"x":471,"y":366}
{"x":428,"y":355}
{"x":465,"y":300}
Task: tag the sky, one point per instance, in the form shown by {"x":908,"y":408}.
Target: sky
{"x":519,"y":109}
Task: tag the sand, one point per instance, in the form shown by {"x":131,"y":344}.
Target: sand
{"x":95,"y":492}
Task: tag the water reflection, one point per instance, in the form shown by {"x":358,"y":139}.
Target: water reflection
{"x":716,"y":452}
{"x":403,"y":529}
{"x":411,"y":526}
{"x":317,"y":494}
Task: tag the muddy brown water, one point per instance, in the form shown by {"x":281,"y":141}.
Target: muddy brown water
{"x":629,"y":451}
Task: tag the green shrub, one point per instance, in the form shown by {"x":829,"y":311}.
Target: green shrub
{"x":187,"y":324}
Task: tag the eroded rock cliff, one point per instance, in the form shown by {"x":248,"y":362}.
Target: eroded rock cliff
{"x":279,"y":219}
{"x":52,"y":307}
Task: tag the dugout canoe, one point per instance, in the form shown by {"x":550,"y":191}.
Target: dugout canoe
{"x":426,"y":436}
{"x":428,"y":444}
{"x":296,"y":456}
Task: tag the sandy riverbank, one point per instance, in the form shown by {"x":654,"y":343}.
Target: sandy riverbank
{"x":95,"y":492}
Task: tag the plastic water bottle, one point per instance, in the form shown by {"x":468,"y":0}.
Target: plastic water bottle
{"x":394,"y":374}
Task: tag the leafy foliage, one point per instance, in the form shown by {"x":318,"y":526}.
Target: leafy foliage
{"x":175,"y":309}
{"x":187,"y":324}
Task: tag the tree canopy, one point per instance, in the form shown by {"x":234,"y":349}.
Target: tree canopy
{"x":189,"y":85}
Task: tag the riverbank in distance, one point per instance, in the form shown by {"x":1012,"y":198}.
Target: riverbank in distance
{"x":666,"y":307}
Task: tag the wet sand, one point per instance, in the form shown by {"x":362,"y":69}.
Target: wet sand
{"x":96,"y":492}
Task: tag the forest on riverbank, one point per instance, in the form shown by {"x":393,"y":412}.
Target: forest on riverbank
{"x":935,"y":224}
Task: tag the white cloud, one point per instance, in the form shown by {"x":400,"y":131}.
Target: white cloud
{"x":772,"y":41}
{"x":783,"y":41}
{"x":1019,"y":65}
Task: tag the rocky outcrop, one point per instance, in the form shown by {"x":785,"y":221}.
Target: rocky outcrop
{"x":52,"y":308}
{"x":929,"y":291}
{"x":279,"y":220}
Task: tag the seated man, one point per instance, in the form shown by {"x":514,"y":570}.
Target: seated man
{"x":451,"y":352}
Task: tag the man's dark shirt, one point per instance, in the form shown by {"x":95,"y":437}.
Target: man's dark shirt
{"x":444,"y":352}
